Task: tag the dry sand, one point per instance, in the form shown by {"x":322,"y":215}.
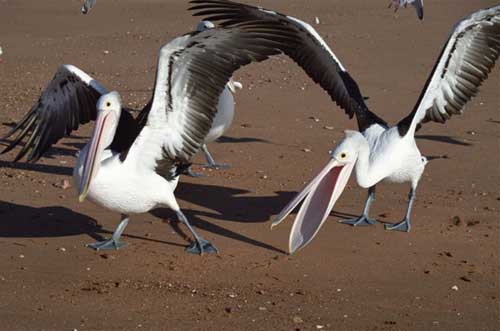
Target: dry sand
{"x":346,"y":279}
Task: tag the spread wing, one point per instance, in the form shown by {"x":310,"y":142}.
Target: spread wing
{"x":465,"y":62}
{"x":68,"y":101}
{"x":310,"y":52}
{"x":192,"y":72}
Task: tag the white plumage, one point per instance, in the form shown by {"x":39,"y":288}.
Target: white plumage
{"x":378,"y":151}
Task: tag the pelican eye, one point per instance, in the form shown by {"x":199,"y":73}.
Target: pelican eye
{"x":108,"y":104}
{"x":343,"y":155}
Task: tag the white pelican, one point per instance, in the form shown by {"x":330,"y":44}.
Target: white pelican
{"x":378,"y":151}
{"x":132,"y":166}
{"x":418,"y":4}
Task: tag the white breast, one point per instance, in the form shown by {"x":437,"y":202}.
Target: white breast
{"x":123,"y":188}
{"x":398,"y":158}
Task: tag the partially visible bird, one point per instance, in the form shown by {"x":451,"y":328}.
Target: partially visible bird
{"x":418,"y":4}
{"x":87,"y":6}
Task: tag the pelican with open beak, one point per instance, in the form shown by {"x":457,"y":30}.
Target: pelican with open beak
{"x":319,"y":195}
{"x":380,"y":151}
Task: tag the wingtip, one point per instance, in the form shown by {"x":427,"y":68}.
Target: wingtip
{"x":420,"y":14}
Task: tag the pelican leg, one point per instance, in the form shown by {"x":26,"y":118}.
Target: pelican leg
{"x":404,"y":225}
{"x":114,"y":242}
{"x":364,"y":220}
{"x":210,"y":160}
{"x":200,"y":245}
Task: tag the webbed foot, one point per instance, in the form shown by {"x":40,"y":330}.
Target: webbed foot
{"x":403,"y":226}
{"x":360,"y":221}
{"x":110,"y":244}
{"x":202,"y":246}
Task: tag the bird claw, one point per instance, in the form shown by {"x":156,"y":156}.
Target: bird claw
{"x":360,"y":221}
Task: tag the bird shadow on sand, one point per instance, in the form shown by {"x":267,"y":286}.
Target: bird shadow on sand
{"x":19,"y":221}
{"x":43,"y":168}
{"x":52,"y":153}
{"x":29,"y":222}
{"x":443,"y":139}
{"x":225,"y":204}
{"x":233,"y":140}
{"x":229,"y":205}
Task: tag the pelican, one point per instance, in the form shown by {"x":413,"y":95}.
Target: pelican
{"x":378,"y":151}
{"x":418,"y":4}
{"x":87,"y":6}
{"x":132,"y":166}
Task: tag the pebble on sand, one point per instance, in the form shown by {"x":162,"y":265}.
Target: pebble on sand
{"x":454,"y":288}
{"x":457,"y":220}
{"x":64,"y":184}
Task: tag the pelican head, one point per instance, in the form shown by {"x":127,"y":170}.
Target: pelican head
{"x":108,"y":115}
{"x":204,"y":25}
{"x":321,"y":193}
{"x":348,"y":149}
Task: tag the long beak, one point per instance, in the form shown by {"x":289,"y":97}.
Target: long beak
{"x":94,"y":152}
{"x":319,"y":197}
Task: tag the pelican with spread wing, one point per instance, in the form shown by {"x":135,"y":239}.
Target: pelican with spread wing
{"x":132,"y":166}
{"x":378,"y":151}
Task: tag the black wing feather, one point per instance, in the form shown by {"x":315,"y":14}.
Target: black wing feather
{"x":67,"y":102}
{"x":200,"y":65}
{"x":308,"y":52}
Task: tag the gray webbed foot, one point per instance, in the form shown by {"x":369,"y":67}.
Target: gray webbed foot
{"x":114,"y":242}
{"x":360,"y":221}
{"x":202,"y":246}
{"x":107,"y":245}
{"x":403,"y":226}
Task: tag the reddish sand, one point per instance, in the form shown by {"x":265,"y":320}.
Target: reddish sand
{"x":346,"y":279}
